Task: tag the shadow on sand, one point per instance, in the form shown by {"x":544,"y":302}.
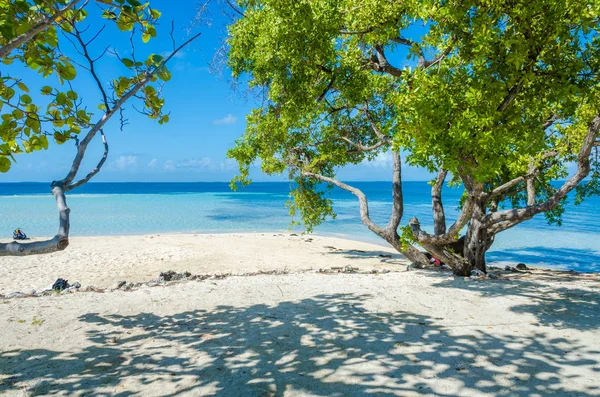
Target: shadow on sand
{"x":382,"y":256}
{"x":327,"y":345}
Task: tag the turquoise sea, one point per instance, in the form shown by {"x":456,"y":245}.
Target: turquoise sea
{"x":141,"y":208}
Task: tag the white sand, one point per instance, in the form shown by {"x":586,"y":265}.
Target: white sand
{"x":103,"y":261}
{"x":304,"y":334}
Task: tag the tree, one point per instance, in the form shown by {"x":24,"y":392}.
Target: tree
{"x":34,"y":35}
{"x":501,"y":95}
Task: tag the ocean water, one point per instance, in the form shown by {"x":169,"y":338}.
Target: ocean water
{"x":142,"y":208}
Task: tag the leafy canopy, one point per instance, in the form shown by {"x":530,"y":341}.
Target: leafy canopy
{"x":479,"y":88}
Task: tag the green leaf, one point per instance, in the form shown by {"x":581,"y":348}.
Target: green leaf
{"x":61,"y":98}
{"x":4,"y":164}
{"x":46,"y":90}
{"x":127,"y":62}
{"x":67,"y":71}
{"x":155,"y":59}
{"x":163,"y":73}
{"x":146,"y":37}
{"x":22,"y":86}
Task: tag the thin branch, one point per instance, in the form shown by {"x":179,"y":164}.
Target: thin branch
{"x":234,"y":8}
{"x":58,"y":243}
{"x":92,"y":69}
{"x":96,"y":169}
{"x":532,"y":172}
{"x":362,"y":148}
{"x":374,"y":126}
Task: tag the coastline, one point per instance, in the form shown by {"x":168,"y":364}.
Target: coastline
{"x":102,"y":261}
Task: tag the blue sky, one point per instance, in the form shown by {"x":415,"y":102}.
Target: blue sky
{"x":206,"y":116}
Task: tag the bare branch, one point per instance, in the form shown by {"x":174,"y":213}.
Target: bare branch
{"x":419,"y":49}
{"x":452,"y":234}
{"x":362,"y":148}
{"x":532,"y":172}
{"x":423,"y":62}
{"x":96,"y":169}
{"x":84,"y":47}
{"x":391,"y":236}
{"x":362,"y":199}
{"x":379,"y":63}
{"x":503,"y":220}
{"x":234,"y":8}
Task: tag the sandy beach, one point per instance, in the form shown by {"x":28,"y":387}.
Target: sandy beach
{"x":104,"y":261}
{"x":302,"y":333}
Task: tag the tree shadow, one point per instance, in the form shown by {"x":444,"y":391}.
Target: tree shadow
{"x":584,"y":260}
{"x":328,"y":345}
{"x":557,"y":306}
{"x":382,"y":256}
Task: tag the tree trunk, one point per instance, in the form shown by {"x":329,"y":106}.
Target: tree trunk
{"x":477,"y":240}
{"x":413,"y":254}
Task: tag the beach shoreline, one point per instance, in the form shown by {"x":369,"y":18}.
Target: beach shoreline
{"x":102,"y":261}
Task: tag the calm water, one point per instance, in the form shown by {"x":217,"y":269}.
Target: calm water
{"x":140,"y":208}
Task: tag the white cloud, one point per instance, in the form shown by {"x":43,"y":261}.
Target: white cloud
{"x":169,"y":165}
{"x":153,"y":163}
{"x":198,"y":164}
{"x":229,"y":119}
{"x":204,"y":162}
{"x":124,"y":162}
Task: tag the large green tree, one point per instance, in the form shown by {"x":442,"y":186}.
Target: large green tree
{"x":503,"y":95}
{"x":56,"y":39}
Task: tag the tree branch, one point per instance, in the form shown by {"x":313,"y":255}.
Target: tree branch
{"x":58,"y":243}
{"x":43,"y":25}
{"x":93,"y":172}
{"x":439,"y":217}
{"x":362,"y":199}
{"x":380,"y":63}
{"x":391,"y":236}
{"x":506,"y":219}
{"x":91,"y":62}
{"x":397,"y":198}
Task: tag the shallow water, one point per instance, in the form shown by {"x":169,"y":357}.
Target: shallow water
{"x":141,"y":208}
